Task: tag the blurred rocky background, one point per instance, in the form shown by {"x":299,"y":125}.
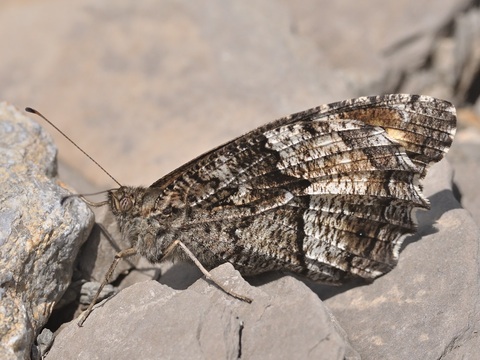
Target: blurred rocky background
{"x":144,"y":87}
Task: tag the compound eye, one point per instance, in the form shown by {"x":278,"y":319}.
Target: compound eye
{"x":167,"y":211}
{"x":126,"y":203}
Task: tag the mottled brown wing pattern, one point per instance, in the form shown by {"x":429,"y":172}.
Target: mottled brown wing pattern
{"x":328,"y":193}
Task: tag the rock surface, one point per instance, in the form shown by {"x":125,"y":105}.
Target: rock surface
{"x":465,"y":158}
{"x":39,"y":236}
{"x":205,"y":323}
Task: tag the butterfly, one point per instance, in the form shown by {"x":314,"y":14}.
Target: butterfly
{"x":328,"y":193}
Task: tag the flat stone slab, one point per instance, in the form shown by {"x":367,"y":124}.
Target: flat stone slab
{"x":285,"y":320}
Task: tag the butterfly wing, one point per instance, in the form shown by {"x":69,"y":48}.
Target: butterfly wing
{"x":328,"y":193}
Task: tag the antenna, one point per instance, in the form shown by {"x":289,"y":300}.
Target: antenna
{"x":83,"y":197}
{"x":33,"y":111}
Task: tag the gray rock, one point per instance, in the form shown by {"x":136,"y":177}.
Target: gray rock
{"x":467,"y":54}
{"x":44,"y":342}
{"x":465,"y":159}
{"x":39,"y":235}
{"x":376,"y":44}
{"x":450,"y":67}
{"x":438,"y":78}
{"x":285,"y":320}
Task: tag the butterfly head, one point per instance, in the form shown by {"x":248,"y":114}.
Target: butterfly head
{"x":123,"y":200}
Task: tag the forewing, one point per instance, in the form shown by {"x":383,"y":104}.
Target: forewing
{"x":423,"y":125}
{"x":328,"y":192}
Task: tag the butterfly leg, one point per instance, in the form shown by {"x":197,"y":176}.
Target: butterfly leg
{"x":204,"y":271}
{"x":119,"y":256}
